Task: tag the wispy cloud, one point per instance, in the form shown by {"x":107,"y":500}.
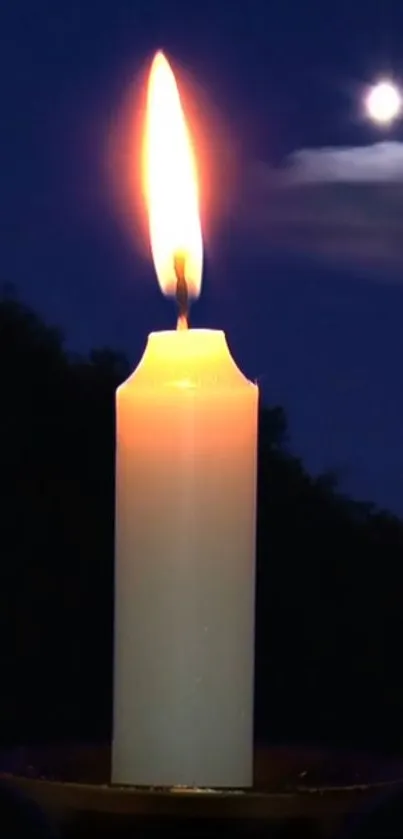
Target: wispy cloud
{"x":382,"y":162}
{"x":343,"y":205}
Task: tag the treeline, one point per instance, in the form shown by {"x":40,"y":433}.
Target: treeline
{"x":330,"y":570}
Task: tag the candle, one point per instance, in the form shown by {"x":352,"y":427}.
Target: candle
{"x":185,"y":512}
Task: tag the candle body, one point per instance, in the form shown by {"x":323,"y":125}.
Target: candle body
{"x":185,"y":566}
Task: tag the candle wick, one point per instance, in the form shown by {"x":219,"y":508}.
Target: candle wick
{"x":182,"y":296}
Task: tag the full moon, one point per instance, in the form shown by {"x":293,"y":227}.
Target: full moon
{"x":383,"y":103}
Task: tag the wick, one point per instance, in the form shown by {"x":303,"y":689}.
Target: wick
{"x":182,"y":297}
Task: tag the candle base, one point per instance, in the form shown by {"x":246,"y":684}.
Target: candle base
{"x":294,"y":787}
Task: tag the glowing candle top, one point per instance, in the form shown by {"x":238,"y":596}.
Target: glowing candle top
{"x":171,"y":185}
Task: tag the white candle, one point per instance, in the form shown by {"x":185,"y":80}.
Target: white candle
{"x":185,"y":525}
{"x":185,"y":569}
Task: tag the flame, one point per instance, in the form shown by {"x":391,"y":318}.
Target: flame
{"x":171,"y":183}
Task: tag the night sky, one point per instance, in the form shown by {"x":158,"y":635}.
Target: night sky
{"x":309,"y":317}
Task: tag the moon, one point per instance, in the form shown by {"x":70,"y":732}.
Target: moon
{"x":383,"y":103}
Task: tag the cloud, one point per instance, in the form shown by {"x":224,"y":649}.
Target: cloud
{"x":342,"y":205}
{"x":382,"y":162}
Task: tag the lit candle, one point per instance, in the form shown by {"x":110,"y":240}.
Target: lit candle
{"x":185,"y":512}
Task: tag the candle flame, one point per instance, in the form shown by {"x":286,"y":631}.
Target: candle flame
{"x":171,"y":183}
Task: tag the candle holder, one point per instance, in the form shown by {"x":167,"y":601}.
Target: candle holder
{"x":310,"y":793}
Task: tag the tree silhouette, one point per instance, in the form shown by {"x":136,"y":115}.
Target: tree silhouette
{"x":329,"y":617}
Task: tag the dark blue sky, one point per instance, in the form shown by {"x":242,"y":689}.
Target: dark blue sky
{"x":325,"y":343}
